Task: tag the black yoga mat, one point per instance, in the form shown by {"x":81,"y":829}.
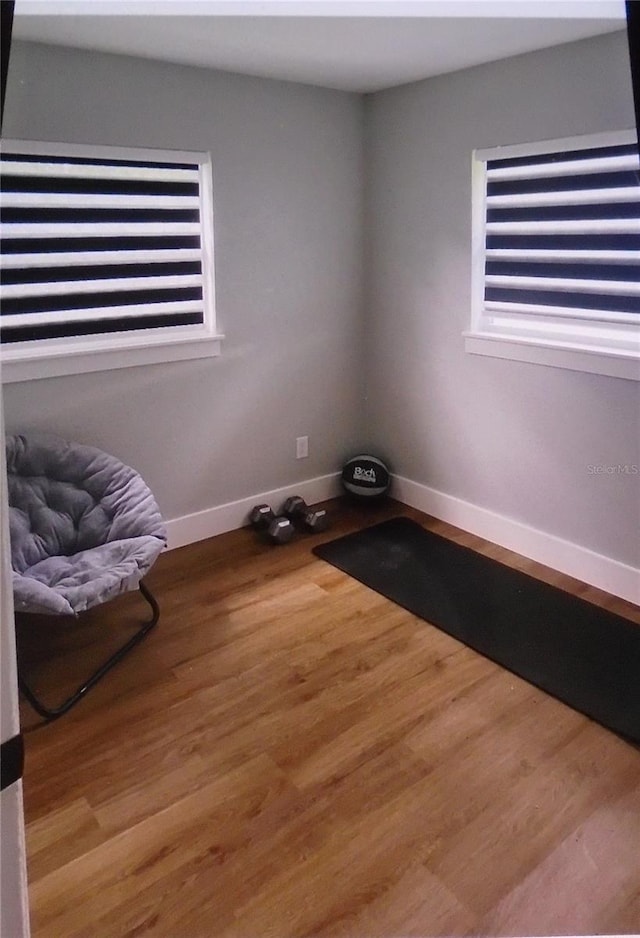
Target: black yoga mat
{"x":583,"y":655}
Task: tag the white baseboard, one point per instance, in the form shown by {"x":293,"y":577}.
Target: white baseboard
{"x":233,"y":515}
{"x":576,"y":561}
{"x":586,"y":565}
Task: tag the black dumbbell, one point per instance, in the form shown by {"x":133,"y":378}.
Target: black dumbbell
{"x":276,"y":529}
{"x":313,"y":519}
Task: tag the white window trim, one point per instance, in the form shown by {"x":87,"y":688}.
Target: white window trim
{"x":571,"y":349}
{"x":25,"y":361}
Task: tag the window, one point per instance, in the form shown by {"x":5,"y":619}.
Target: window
{"x":107,"y":258}
{"x":556,"y":254}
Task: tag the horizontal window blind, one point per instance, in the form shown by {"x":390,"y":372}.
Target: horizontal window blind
{"x":562,"y":236}
{"x":94,"y":246}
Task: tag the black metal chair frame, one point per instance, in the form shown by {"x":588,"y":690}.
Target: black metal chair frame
{"x":52,"y":713}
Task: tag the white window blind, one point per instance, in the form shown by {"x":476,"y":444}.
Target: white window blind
{"x":557,"y":245}
{"x":103,"y":247}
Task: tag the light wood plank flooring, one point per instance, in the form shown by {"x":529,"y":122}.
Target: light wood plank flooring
{"x":290,"y":754}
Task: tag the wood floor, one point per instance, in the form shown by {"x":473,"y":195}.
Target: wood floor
{"x":290,"y":754}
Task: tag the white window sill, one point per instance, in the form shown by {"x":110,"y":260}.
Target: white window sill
{"x":616,"y":364}
{"x":51,"y":363}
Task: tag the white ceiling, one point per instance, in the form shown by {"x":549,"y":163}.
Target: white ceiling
{"x":362,"y":46}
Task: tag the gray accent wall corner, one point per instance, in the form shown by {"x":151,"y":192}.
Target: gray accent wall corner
{"x":343,"y":287}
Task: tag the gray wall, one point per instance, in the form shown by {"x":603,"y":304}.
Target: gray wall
{"x":514,"y":438}
{"x":288,"y":186}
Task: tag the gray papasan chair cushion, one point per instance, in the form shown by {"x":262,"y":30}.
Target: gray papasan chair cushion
{"x":84,"y":527}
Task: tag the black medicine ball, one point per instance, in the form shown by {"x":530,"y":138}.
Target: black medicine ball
{"x":366,"y":477}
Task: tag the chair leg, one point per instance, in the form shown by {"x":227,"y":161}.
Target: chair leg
{"x":52,"y":713}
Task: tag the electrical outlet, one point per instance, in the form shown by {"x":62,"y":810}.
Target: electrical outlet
{"x":302,"y":447}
